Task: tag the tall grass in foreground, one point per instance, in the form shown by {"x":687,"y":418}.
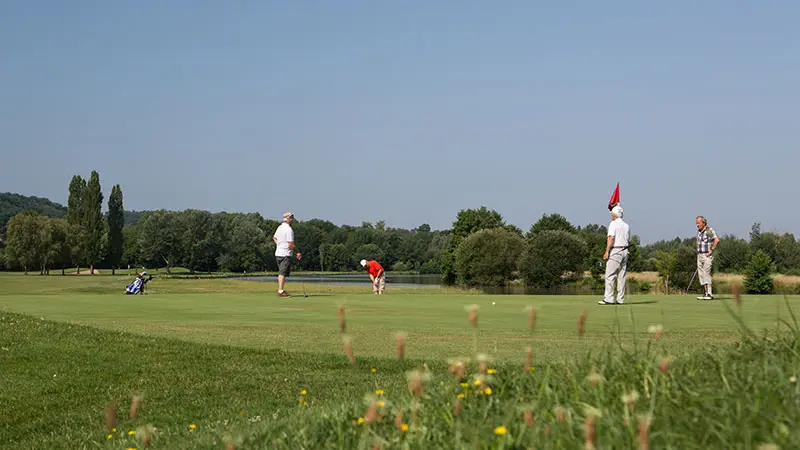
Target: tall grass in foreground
{"x":725,"y":397}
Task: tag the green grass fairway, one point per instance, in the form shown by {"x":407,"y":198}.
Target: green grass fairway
{"x":225,"y":354}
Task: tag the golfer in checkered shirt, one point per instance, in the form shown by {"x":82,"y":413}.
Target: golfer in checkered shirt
{"x":707,"y":241}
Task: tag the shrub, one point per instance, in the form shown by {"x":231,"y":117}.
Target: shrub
{"x":488,"y":257}
{"x":553,"y":258}
{"x":757,"y":279}
{"x":401,"y":266}
{"x":676,"y":267}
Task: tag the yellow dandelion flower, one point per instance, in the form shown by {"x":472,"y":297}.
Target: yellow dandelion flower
{"x":487,"y":391}
{"x":500,"y":431}
{"x":360,"y":420}
{"x":380,"y":403}
{"x":464,"y":385}
{"x":492,"y":371}
{"x":303,"y":392}
{"x":380,"y":392}
{"x":131,"y":448}
{"x":532,"y":368}
{"x":131,"y":433}
{"x":404,"y":427}
{"x":477,"y":382}
{"x":374,"y":370}
{"x":110,"y":436}
{"x":192,"y":427}
{"x":461,"y":396}
{"x":113,"y":430}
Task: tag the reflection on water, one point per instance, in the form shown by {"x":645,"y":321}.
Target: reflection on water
{"x":410,"y":281}
{"x":428,"y":281}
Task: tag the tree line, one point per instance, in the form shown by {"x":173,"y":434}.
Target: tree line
{"x":480,"y":249}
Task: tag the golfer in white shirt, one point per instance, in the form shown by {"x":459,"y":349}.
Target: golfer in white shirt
{"x":616,"y":257}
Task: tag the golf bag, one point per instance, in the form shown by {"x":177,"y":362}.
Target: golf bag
{"x":137,"y":286}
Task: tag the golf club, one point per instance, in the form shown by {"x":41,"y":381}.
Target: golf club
{"x":690,"y":281}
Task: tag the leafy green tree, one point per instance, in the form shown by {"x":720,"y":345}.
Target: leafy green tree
{"x":309,"y":238}
{"x":732,"y":254}
{"x":245,"y":248}
{"x":467,"y":221}
{"x":551,"y":222}
{"x":27,"y":239}
{"x":93,"y":221}
{"x":758,"y":279}
{"x":116,"y":222}
{"x":336,"y":257}
{"x":159,"y":239}
{"x":200,"y":240}
{"x":130,"y":249}
{"x":552,"y":258}
{"x":58,"y":251}
{"x":595,"y":237}
{"x":368,"y":251}
{"x":76,"y":217}
{"x":488,"y":257}
{"x":75,"y":202}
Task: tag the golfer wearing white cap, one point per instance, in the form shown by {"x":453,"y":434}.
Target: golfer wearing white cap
{"x":616,"y":257}
{"x":376,"y":274}
{"x":284,"y":246}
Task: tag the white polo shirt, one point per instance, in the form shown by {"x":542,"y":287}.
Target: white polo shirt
{"x":620,"y":230}
{"x":284,"y":234}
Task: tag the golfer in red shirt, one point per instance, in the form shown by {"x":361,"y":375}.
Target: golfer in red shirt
{"x":376,"y":274}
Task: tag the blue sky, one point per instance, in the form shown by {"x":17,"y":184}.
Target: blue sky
{"x":410,"y":111}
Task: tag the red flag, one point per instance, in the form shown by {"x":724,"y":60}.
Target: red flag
{"x":614,"y":201}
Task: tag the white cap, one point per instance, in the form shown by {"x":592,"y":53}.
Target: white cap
{"x":363,"y":263}
{"x":617,"y":211}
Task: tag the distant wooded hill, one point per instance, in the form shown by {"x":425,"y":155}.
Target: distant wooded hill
{"x":12,"y":204}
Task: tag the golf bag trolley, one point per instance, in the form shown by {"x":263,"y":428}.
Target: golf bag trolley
{"x":138,"y":285}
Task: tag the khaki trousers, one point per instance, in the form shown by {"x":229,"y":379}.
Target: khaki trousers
{"x":616,"y":270}
{"x":704,"y":268}
{"x":380,"y":282}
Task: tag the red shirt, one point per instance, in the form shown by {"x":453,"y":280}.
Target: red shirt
{"x":374,"y":268}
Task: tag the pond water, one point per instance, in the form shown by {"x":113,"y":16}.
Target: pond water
{"x":407,"y":281}
{"x":428,"y":281}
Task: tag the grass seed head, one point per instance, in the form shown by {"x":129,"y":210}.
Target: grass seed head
{"x":561,"y":414}
{"x":135,"y":406}
{"x":737,"y":294}
{"x":663,"y":366}
{"x":595,"y":378}
{"x":372,"y":413}
{"x":656,"y":330}
{"x":342,"y":326}
{"x":348,"y":349}
{"x":473,"y":314}
{"x":582,"y":322}
{"x":400,"y":345}
{"x":528,"y":417}
{"x":111,"y":417}
{"x":644,"y":427}
{"x":590,"y":433}
{"x":630,"y":399}
{"x":398,"y":420}
{"x":528,"y":359}
{"x":531,"y":317}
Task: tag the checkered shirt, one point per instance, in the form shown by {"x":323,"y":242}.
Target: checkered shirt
{"x":704,"y":239}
